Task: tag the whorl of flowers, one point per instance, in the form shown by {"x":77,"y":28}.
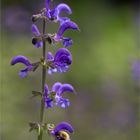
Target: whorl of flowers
{"x":59,"y":62}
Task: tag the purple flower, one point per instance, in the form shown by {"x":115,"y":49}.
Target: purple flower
{"x":63,"y":27}
{"x":54,"y":14}
{"x":60,"y":62}
{"x":60,"y":132}
{"x":22,"y":59}
{"x":54,"y":97}
{"x":48,"y":100}
{"x":37,"y":40}
{"x":136,"y":70}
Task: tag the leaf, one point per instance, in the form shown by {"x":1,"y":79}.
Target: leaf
{"x":33,"y":125}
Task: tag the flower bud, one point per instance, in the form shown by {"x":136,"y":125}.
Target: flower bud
{"x":35,"y":40}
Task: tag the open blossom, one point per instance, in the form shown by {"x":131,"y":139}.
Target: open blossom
{"x":37,"y":40}
{"x":22,"y":59}
{"x":54,"y":96}
{"x":61,"y":131}
{"x":63,"y":27}
{"x":60,"y":62}
{"x":54,"y":14}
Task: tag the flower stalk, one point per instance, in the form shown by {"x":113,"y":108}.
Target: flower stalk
{"x":43,"y":82}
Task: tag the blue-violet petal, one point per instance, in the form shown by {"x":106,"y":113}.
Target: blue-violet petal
{"x":63,"y":126}
{"x":20,"y":59}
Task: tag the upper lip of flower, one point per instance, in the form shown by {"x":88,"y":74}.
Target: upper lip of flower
{"x":63,"y":126}
{"x":24,"y":60}
{"x":65,"y":26}
{"x":20,"y":59}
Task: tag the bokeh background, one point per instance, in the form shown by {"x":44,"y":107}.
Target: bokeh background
{"x":104,"y":71}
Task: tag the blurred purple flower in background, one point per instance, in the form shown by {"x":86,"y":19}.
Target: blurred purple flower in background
{"x":135,"y":65}
{"x":11,"y":17}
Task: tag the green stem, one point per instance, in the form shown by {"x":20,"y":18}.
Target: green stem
{"x":43,"y":82}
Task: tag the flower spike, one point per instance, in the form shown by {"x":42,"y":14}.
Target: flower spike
{"x":51,"y":63}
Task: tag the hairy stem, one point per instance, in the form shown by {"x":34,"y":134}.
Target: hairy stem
{"x":43,"y":82}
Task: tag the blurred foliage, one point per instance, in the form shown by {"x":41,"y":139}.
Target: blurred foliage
{"x":106,"y":106}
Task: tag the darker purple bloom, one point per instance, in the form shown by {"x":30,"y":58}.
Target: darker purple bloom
{"x":54,"y":97}
{"x":60,"y":132}
{"x":63,"y":27}
{"x":22,"y":59}
{"x":37,"y":40}
{"x":54,"y":14}
{"x":60,"y":62}
{"x":63,"y":126}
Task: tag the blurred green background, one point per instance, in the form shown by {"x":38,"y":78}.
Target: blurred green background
{"x":106,"y":106}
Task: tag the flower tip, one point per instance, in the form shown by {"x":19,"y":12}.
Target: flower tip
{"x":63,"y":7}
{"x":11,"y":63}
{"x":77,"y":27}
{"x":20,"y":59}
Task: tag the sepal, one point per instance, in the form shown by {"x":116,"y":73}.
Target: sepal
{"x":33,"y":126}
{"x":36,"y":93}
{"x":34,"y":18}
{"x":50,"y":127}
{"x":35,"y":66}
